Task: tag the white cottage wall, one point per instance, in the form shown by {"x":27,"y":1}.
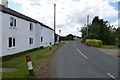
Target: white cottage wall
{"x":37,"y":35}
{"x":48,"y":36}
{"x":21,"y":33}
{"x":1,"y":33}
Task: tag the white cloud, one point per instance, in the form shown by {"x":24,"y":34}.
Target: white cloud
{"x":70,"y":14}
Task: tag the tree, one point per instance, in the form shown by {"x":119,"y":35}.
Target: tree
{"x":95,"y":19}
{"x":84,"y":31}
{"x":102,"y":30}
{"x":69,"y":37}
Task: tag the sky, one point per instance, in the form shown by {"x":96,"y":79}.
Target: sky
{"x":71,"y":15}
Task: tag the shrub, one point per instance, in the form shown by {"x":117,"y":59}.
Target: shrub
{"x":89,"y":36}
{"x":93,"y":42}
{"x":92,"y":36}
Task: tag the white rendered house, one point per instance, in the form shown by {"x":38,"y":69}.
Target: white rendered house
{"x":19,"y":33}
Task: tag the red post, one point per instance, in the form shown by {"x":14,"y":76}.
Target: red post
{"x":29,"y":62}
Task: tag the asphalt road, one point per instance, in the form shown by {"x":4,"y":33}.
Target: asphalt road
{"x":76,"y":60}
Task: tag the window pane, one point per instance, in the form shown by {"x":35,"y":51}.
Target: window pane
{"x":29,"y":40}
{"x":41,"y":39}
{"x":32,"y":41}
{"x":13,"y":41}
{"x":10,"y":42}
{"x":11,"y":21}
{"x":31,"y":26}
{"x":14,"y":22}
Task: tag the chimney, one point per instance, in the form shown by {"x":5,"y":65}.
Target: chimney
{"x":5,"y":3}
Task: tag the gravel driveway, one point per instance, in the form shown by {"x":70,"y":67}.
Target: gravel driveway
{"x":111,"y":52}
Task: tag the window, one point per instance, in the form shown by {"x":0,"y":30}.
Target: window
{"x":41,"y":39}
{"x":31,"y":26}
{"x":11,"y":42}
{"x":30,"y":40}
{"x":12,"y":22}
{"x":14,"y":42}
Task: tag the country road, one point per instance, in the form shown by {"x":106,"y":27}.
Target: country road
{"x":76,"y":60}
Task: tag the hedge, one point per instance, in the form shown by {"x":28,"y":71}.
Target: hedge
{"x":93,"y":42}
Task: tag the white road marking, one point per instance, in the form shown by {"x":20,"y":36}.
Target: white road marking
{"x":111,"y":76}
{"x":81,"y":53}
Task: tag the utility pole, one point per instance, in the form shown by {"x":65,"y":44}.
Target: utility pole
{"x":54,"y":21}
{"x":87,"y":23}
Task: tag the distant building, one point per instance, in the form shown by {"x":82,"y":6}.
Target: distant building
{"x":20,"y":33}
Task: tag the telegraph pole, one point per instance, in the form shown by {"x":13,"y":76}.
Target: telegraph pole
{"x":87,"y":23}
{"x":54,"y":21}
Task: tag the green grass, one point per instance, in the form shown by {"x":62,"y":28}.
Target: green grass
{"x":109,"y":47}
{"x":0,"y":75}
{"x":18,"y":61}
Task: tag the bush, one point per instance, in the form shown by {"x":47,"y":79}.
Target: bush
{"x":93,"y":42}
{"x":89,"y":36}
{"x":92,"y":36}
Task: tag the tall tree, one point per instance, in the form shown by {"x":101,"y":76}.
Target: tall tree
{"x":100,"y":29}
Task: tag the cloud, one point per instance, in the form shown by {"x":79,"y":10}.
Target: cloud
{"x":70,"y":14}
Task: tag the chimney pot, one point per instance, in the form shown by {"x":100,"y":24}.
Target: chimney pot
{"x":5,"y":3}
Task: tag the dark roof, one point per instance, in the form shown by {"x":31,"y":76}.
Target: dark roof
{"x":17,"y":14}
{"x":45,"y":26}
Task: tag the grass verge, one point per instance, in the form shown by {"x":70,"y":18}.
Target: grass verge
{"x":18,"y":61}
{"x":109,"y":47}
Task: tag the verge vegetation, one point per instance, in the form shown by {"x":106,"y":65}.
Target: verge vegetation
{"x":18,"y":61}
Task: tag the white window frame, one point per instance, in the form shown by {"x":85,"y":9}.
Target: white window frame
{"x":12,"y":44}
{"x":13,"y":21}
{"x":31,"y":41}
